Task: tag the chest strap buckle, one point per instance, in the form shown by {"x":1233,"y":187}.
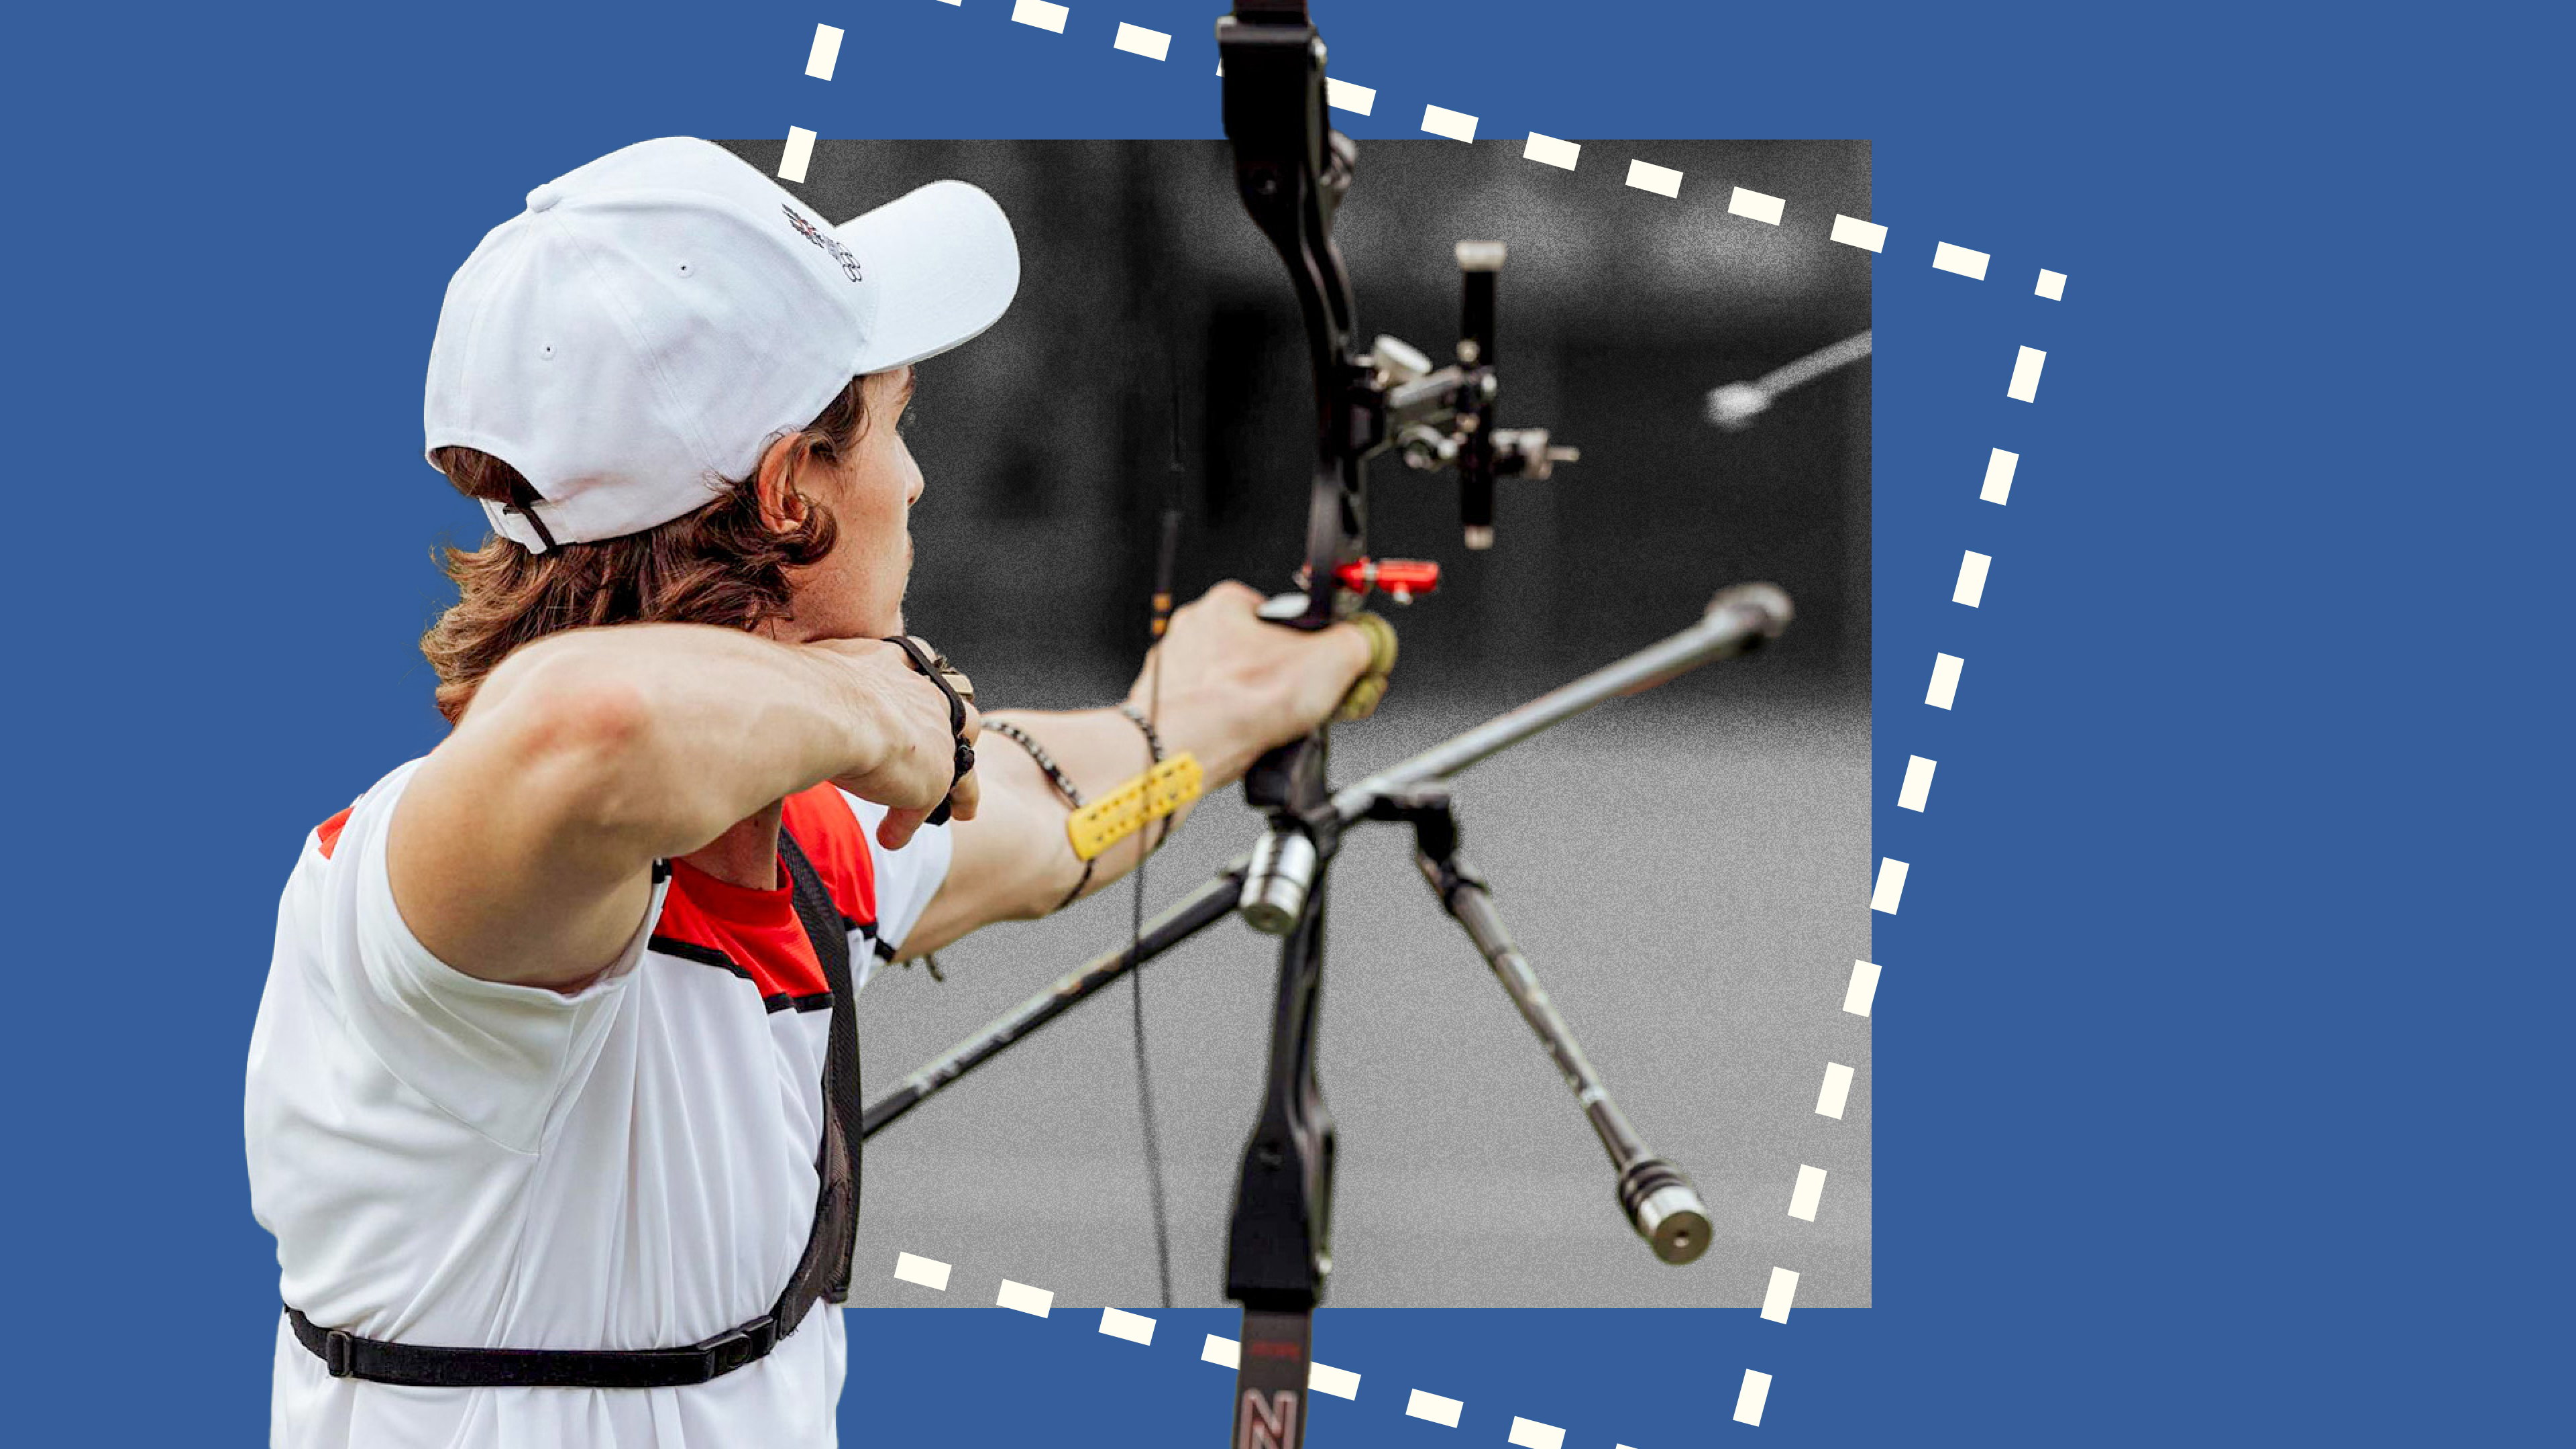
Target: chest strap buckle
{"x":736,"y":1347}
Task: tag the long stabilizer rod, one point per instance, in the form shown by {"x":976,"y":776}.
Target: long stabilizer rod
{"x":1736,"y":620}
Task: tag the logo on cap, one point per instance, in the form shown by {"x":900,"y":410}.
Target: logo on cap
{"x":829,"y":243}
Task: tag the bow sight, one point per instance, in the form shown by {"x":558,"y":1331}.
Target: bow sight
{"x":1292,"y":171}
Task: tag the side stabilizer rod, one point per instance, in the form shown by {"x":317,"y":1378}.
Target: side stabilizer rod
{"x":1184,"y":918}
{"x":1659,"y":1201}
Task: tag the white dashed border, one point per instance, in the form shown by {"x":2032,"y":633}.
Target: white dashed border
{"x":1858,"y":996}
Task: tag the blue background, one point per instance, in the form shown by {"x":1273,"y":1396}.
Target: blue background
{"x":2215,"y":1081}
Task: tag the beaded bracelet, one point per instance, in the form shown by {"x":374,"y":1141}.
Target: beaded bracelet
{"x":1153,"y":742}
{"x":1064,"y":787}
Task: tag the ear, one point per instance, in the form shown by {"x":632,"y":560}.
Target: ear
{"x":782,"y":506}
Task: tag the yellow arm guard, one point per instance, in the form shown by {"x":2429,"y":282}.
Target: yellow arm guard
{"x":1124,"y":811}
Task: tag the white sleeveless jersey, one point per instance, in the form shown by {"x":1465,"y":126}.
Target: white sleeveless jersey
{"x":451,"y":1161}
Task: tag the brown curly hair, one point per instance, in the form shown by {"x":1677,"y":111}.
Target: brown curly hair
{"x":719,"y":565}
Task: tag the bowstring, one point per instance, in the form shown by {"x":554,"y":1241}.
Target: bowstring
{"x":1136,"y":912}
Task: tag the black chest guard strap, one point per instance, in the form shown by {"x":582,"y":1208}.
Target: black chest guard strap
{"x":822,"y":1274}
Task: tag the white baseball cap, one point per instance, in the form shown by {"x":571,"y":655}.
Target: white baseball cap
{"x":654,"y":320}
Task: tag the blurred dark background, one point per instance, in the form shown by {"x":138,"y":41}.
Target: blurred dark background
{"x":1155,"y":346}
{"x":1689,"y":869}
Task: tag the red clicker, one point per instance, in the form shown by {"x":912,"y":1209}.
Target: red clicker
{"x":1402,"y":578}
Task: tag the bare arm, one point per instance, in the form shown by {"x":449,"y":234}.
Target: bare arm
{"x":522,"y":849}
{"x":1232,"y":687}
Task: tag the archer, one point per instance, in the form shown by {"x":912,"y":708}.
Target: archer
{"x":552,"y":1098}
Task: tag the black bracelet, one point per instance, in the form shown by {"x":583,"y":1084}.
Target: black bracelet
{"x":1056,"y":777}
{"x":1153,"y":742}
{"x":934,"y":666}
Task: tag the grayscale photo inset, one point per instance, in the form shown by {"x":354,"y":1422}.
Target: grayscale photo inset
{"x":1591,"y":408}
